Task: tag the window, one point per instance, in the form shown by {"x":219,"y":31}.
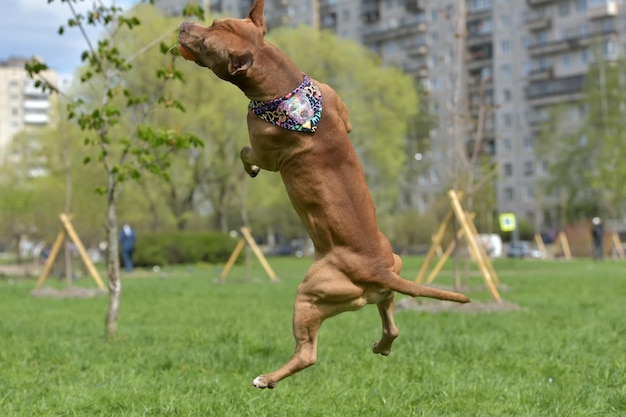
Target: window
{"x":584,"y":56}
{"x":506,"y":95}
{"x":505,"y":71}
{"x":529,"y":142}
{"x":505,"y":46}
{"x":564,"y":9}
{"x":478,"y":5}
{"x":528,"y":168}
{"x":507,"y":169}
{"x":507,"y":120}
{"x":566,"y":59}
{"x":530,"y":192}
{"x":508,"y":194}
{"x":610,"y":50}
{"x":505,"y":21}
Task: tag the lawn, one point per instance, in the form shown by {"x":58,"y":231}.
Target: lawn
{"x":190,"y":347}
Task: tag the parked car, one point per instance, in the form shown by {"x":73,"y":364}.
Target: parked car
{"x":522,"y":249}
{"x":286,"y":250}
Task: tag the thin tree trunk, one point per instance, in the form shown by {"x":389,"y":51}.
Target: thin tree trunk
{"x":115,"y":284}
{"x":67,"y":167}
{"x":457,"y":118}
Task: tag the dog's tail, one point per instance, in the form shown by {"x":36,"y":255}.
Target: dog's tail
{"x":414,"y":289}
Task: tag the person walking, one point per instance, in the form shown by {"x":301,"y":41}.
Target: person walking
{"x":597,"y":232}
{"x":127,"y":240}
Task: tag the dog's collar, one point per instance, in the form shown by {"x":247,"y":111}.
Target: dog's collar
{"x":300,"y":110}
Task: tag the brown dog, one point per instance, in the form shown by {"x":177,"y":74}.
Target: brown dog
{"x":308,"y":144}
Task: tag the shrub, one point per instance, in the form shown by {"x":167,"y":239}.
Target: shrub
{"x":169,"y":248}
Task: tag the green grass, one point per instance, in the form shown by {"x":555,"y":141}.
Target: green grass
{"x":190,"y":347}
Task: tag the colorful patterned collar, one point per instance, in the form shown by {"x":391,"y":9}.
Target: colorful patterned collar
{"x":300,"y":110}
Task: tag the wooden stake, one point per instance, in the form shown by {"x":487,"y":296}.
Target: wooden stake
{"x":540,"y":244}
{"x":567,"y":253}
{"x":247,"y":237}
{"x":473,"y":245}
{"x":232,"y":259}
{"x":51,"y":257}
{"x":68,"y":229}
{"x":617,"y":243}
{"x":437,"y":239}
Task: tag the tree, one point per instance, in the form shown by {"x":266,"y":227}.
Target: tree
{"x":123,"y":155}
{"x":584,"y":143}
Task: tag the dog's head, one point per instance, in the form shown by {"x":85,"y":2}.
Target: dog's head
{"x":228,"y":46}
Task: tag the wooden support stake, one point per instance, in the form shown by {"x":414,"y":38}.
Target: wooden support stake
{"x":567,"y":253}
{"x":540,"y":245}
{"x":473,"y":245}
{"x":81,"y":250}
{"x":444,"y":257}
{"x":68,"y":230}
{"x":486,"y":257}
{"x":247,"y":238}
{"x":437,"y":239}
{"x":258,"y":253}
{"x":617,"y":243}
{"x":232,"y":259}
{"x":51,"y":257}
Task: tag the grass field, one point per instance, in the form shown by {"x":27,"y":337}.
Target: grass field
{"x":190,"y":347}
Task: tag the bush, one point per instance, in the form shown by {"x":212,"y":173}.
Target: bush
{"x":169,"y":248}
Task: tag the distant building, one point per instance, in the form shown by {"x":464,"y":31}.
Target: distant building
{"x":22,"y":105}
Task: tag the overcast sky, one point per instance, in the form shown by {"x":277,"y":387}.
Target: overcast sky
{"x":30,"y":27}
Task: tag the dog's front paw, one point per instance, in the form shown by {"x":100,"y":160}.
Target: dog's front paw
{"x":261,"y":382}
{"x":253,"y":171}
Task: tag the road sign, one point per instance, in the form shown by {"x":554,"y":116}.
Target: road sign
{"x":507,"y":222}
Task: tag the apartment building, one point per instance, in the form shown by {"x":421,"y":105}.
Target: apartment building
{"x":513,"y":60}
{"x":22,"y":105}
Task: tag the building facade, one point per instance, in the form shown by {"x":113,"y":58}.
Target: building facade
{"x":22,"y":105}
{"x":508,"y":61}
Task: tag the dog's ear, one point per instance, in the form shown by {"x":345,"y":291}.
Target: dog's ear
{"x":239,"y":62}
{"x":257,"y":16}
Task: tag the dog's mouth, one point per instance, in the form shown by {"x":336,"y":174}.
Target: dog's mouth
{"x":187,"y":54}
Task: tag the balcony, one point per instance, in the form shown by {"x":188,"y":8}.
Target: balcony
{"x":370,"y":11}
{"x":538,"y":19}
{"x":552,"y":47}
{"x":600,"y":9}
{"x":539,"y":2}
{"x":551,"y":91}
{"x":36,"y":119}
{"x":417,"y":49}
{"x":541,"y":74}
{"x":414,"y":6}
{"x":36,"y":105}
{"x":479,"y":56}
{"x":394,"y":28}
{"x":477,"y":38}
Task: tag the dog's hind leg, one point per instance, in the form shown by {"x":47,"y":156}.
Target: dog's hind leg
{"x":307,"y":319}
{"x":390,"y":331}
{"x":385,"y":308}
